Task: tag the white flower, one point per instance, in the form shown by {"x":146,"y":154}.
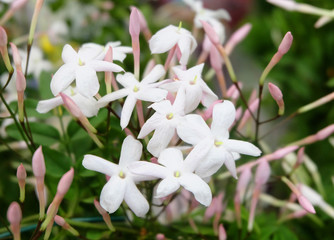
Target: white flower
{"x":215,"y":141}
{"x":175,"y":173}
{"x":88,"y":106}
{"x":145,"y":90}
{"x":166,"y":38}
{"x":118,"y":52}
{"x":164,"y":121}
{"x":204,"y":14}
{"x":195,"y":87}
{"x":81,"y":66}
{"x":122,"y":183}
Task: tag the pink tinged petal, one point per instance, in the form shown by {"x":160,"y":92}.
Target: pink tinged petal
{"x":69,"y":55}
{"x":127,"y":110}
{"x":152,"y":123}
{"x":104,"y":66}
{"x":262,"y":173}
{"x":160,"y":139}
{"x":152,"y":94}
{"x":46,"y":105}
{"x":242,"y":147}
{"x":135,"y":200}
{"x":164,"y":39}
{"x":167,"y":186}
{"x":197,"y":155}
{"x":306,"y":204}
{"x":113,"y":193}
{"x":198,"y":187}
{"x":223,"y":116}
{"x":193,"y":98}
{"x":157,"y":72}
{"x":193,"y":129}
{"x":148,"y":169}
{"x":113,"y":96}
{"x":172,"y":158}
{"x":100,"y":165}
{"x":131,"y":151}
{"x":230,"y":165}
{"x":87,"y":82}
{"x":127,"y":80}
{"x":62,"y":78}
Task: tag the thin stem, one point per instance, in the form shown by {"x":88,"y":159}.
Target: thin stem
{"x":257,"y":125}
{"x":271,"y":119}
{"x":27,"y":61}
{"x":10,"y":74}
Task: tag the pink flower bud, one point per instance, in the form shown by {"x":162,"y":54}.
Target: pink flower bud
{"x":71,"y":106}
{"x":16,"y":56}
{"x":14,"y":214}
{"x":134,"y":27}
{"x":306,"y":204}
{"x":282,"y":152}
{"x":324,"y":133}
{"x":109,"y":55}
{"x":208,"y":112}
{"x":3,"y":37}
{"x":21,"y":82}
{"x":237,"y":37}
{"x":141,"y":18}
{"x":160,"y":236}
{"x":252,"y":107}
{"x":244,"y":179}
{"x":154,"y":160}
{"x":207,"y":44}
{"x":107,"y":178}
{"x":99,"y":208}
{"x":21,"y":173}
{"x":221,"y":232}
{"x":275,"y":92}
{"x":65,"y":182}
{"x":233,"y":92}
{"x":262,"y":173}
{"x":38,"y":164}
{"x":213,"y":36}
{"x":60,"y":221}
{"x":300,"y":156}
{"x":215,"y":59}
{"x":286,"y":43}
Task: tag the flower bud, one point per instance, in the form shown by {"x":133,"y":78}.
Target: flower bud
{"x":306,"y":204}
{"x":21,"y":175}
{"x":160,"y":236}
{"x":237,"y":37}
{"x":71,"y":106}
{"x":134,"y":27}
{"x":17,"y":57}
{"x":3,"y":38}
{"x":14,"y":216}
{"x":65,"y":182}
{"x":222,"y":233}
{"x":61,"y":222}
{"x":17,"y":4}
{"x":285,"y":43}
{"x":326,"y":132}
{"x":282,"y":152}
{"x":104,"y":214}
{"x":277,"y":96}
{"x":262,"y":173}
{"x":38,"y":163}
{"x":213,"y":36}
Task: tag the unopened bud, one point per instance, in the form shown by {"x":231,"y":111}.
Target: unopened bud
{"x":262,"y":173}
{"x":65,"y":182}
{"x":221,"y":232}
{"x":306,"y":204}
{"x":104,"y":214}
{"x":213,"y":36}
{"x":17,"y":4}
{"x":282,"y":152}
{"x":286,"y":43}
{"x":62,"y":222}
{"x":71,"y":106}
{"x":277,"y":96}
{"x":134,"y":26}
{"x":237,"y":37}
{"x":21,"y":175}
{"x":326,"y":132}
{"x":14,"y":216}
{"x":3,"y":38}
{"x":16,"y":57}
{"x":38,"y":163}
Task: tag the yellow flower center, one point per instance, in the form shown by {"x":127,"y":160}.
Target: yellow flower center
{"x":180,"y":26}
{"x":136,"y":89}
{"x":81,"y":63}
{"x":169,"y":116}
{"x":121,"y":174}
{"x":193,"y":82}
{"x":218,"y":143}
{"x":177,"y":174}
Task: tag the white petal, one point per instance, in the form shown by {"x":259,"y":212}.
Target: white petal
{"x":184,"y":45}
{"x":127,"y":110}
{"x":112,"y":194}
{"x":135,"y":200}
{"x":163,"y":107}
{"x":86,"y":54}
{"x":99,"y":65}
{"x":88,"y":106}
{"x":62,"y":78}
{"x":193,"y":129}
{"x":198,"y":187}
{"x":46,"y":105}
{"x":220,"y":14}
{"x":164,"y":39}
{"x":208,"y":97}
{"x":152,"y":94}
{"x":230,"y":165}
{"x":101,"y":165}
{"x":148,"y":169}
{"x":152,"y":123}
{"x":242,"y":147}
{"x":113,"y":96}
{"x":172,"y":158}
{"x":127,"y":80}
{"x":131,"y":151}
{"x":156,"y":73}
{"x":197,"y":155}
{"x":167,"y":186}
{"x":180,"y":101}
{"x":193,"y":97}
{"x":87,"y":82}
{"x":160,"y":139}
{"x":171,"y":85}
{"x":223,"y":116}
{"x":69,"y":55}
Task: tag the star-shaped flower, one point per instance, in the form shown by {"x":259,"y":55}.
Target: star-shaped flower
{"x":175,"y":173}
{"x":164,"y":121}
{"x":122,"y":183}
{"x":220,"y":149}
{"x":88,"y":105}
{"x":145,"y":90}
{"x":81,"y":66}
{"x":118,"y":52}
{"x":196,"y":89}
{"x":166,"y":38}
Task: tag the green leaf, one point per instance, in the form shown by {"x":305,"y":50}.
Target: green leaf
{"x":57,"y":163}
{"x":44,"y":85}
{"x":284,"y":233}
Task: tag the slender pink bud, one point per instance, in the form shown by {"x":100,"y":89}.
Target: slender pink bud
{"x":282,"y":152}
{"x":21,"y":175}
{"x":322,"y":21}
{"x":38,"y":163}
{"x":16,"y":56}
{"x":108,"y":76}
{"x":17,"y":4}
{"x":21,"y":82}
{"x":109,"y":55}
{"x":208,"y":112}
{"x":238,"y":113}
{"x":213,"y":36}
{"x":60,"y":221}
{"x":306,"y":204}
{"x":71,"y":106}
{"x":65,"y":182}
{"x":222,"y":233}
{"x":160,"y":236}
{"x":237,"y":37}
{"x":20,"y":87}
{"x":207,"y":44}
{"x":252,"y":107}
{"x":134,"y":27}
{"x":14,"y":216}
{"x":104,"y":214}
{"x":286,"y":43}
{"x":141,"y":18}
{"x":233,"y":92}
{"x":262,"y":173}
{"x":216,"y":60}
{"x":300,"y":157}
{"x":326,"y":132}
{"x":277,"y":96}
{"x":3,"y":38}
